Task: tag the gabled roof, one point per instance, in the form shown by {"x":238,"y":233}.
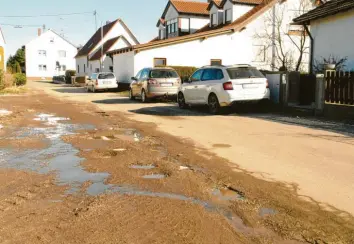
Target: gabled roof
{"x":237,"y":25}
{"x":217,"y":3}
{"x":106,"y":46}
{"x":160,"y":21}
{"x":188,"y":7}
{"x":220,"y":3}
{"x":50,"y":30}
{"x":96,"y":38}
{"x":329,"y":8}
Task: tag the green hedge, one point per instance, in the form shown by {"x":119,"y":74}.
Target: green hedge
{"x":68,"y":75}
{"x":20,"y":79}
{"x":185,"y":72}
{"x":60,"y":78}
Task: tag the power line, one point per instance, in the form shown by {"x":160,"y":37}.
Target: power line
{"x":19,"y":26}
{"x":44,"y":15}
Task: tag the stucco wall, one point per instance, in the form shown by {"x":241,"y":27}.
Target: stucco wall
{"x":123,"y":65}
{"x":33,"y":59}
{"x":80,"y":62}
{"x":171,"y":13}
{"x":334,"y":36}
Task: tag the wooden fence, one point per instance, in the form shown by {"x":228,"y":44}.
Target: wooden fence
{"x":339,"y":87}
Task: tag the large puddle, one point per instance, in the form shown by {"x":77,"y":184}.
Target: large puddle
{"x":61,"y":158}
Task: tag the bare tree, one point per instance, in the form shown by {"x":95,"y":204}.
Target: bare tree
{"x":289,"y":44}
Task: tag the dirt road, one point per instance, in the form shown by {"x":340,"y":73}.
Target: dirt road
{"x":90,"y":168}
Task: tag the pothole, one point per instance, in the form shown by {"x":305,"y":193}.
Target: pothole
{"x":154,"y":176}
{"x":147,"y":167}
{"x":226,"y":194}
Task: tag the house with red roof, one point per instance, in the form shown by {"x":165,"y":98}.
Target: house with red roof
{"x":92,"y":56}
{"x":214,"y":32}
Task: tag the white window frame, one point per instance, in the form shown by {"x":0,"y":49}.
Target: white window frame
{"x":42,"y":53}
{"x":228,"y":15}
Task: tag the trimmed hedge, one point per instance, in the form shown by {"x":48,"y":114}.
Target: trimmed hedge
{"x":185,"y":72}
{"x":60,"y":78}
{"x":68,"y":75}
{"x":20,"y":79}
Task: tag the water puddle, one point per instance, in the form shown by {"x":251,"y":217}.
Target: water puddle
{"x":264,"y":212}
{"x":147,"y":167}
{"x":154,"y":176}
{"x":226,"y":194}
{"x":4,"y":112}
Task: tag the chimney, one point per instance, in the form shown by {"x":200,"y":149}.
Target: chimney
{"x":39,"y":31}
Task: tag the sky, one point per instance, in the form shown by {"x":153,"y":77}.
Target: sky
{"x":140,"y":16}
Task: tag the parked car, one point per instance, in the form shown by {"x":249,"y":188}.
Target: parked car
{"x":220,"y":86}
{"x":154,"y":82}
{"x":101,"y":81}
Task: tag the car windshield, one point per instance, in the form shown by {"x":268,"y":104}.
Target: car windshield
{"x":106,"y":76}
{"x":94,"y":76}
{"x":163,"y":73}
{"x":244,"y":72}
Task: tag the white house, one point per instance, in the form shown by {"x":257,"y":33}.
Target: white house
{"x":49,"y":55}
{"x":227,"y":38}
{"x":92,"y":56}
{"x":332,"y":31}
{"x":2,"y":51}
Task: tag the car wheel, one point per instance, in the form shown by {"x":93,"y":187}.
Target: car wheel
{"x":144,"y":99}
{"x":213,"y":103}
{"x":181,"y":100}
{"x":131,"y":97}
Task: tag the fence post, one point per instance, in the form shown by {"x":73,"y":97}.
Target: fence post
{"x":320,"y":94}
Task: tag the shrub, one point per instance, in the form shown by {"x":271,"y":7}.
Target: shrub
{"x":60,"y":78}
{"x":6,"y":80}
{"x":68,"y":75}
{"x":185,"y":72}
{"x":2,"y":79}
{"x":20,"y":79}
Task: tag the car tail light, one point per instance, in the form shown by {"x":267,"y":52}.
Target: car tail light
{"x":152,"y":82}
{"x":267,"y":84}
{"x":228,"y":86}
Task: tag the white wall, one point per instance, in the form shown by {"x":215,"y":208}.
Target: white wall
{"x":123,"y":66}
{"x":81,"y":62}
{"x":197,"y":23}
{"x":232,"y":49}
{"x":334,"y":36}
{"x":33,"y":60}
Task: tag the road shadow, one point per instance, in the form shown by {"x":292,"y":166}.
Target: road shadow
{"x":71,"y":90}
{"x":122,"y":100}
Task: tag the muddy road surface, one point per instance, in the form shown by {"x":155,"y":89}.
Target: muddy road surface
{"x":72,"y":173}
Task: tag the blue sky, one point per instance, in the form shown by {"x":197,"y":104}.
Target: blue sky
{"x":140,"y":15}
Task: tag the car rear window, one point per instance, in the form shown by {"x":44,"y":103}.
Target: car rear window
{"x":106,"y":76}
{"x":244,"y":72}
{"x":163,"y":73}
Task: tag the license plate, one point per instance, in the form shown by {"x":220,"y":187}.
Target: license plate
{"x":166,"y":84}
{"x":250,"y":86}
{"x":106,"y":82}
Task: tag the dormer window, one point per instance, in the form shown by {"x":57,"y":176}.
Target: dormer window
{"x":214,"y":19}
{"x":228,"y":15}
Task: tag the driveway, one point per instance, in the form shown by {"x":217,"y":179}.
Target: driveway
{"x":315,"y":157}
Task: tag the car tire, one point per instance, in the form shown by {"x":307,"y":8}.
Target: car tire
{"x":144,"y":99}
{"x":131,"y":97}
{"x":181,"y":101}
{"x":213,"y":104}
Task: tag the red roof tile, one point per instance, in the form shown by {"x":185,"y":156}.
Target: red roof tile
{"x":190,"y":7}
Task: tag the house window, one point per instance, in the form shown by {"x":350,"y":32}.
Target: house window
{"x":172,"y":26}
{"x":228,"y":16}
{"x":42,"y":53}
{"x":111,"y":68}
{"x":42,"y":67}
{"x":78,"y":69}
{"x":51,"y":40}
{"x":97,"y":70}
{"x":62,"y":53}
{"x":260,"y":51}
{"x":84,"y":68}
{"x":63,"y":68}
{"x":160,"y":62}
{"x":216,"y":62}
{"x":185,"y":25}
{"x":214,"y":19}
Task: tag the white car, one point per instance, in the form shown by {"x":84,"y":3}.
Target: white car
{"x":221,"y":86}
{"x":101,"y":81}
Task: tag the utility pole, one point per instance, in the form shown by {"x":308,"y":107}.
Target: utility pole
{"x":44,"y":28}
{"x":273,"y":39}
{"x":102,"y":47}
{"x":95,"y":14}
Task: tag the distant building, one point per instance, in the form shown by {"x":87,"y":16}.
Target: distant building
{"x":92,"y":57}
{"x":2,"y":51}
{"x":48,"y":55}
